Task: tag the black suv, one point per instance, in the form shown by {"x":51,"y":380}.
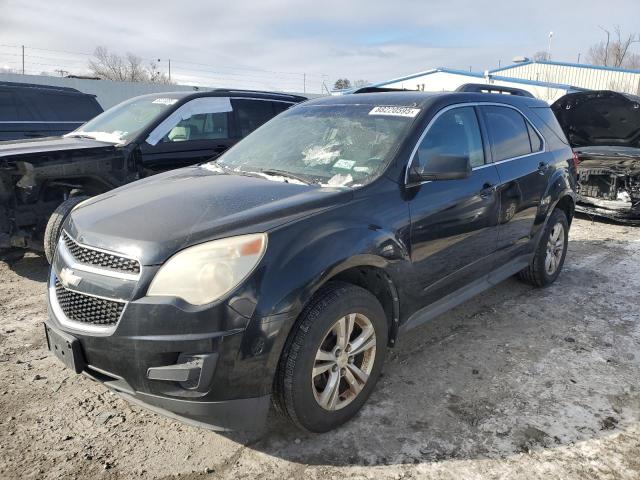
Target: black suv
{"x":285,"y":269}
{"x":41,"y":180}
{"x":31,"y":111}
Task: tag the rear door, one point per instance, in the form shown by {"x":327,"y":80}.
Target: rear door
{"x":454,"y":223}
{"x":519,"y":155}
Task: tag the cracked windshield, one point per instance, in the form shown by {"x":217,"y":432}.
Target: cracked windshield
{"x":335,"y":146}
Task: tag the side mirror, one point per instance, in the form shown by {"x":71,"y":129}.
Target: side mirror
{"x":439,"y":166}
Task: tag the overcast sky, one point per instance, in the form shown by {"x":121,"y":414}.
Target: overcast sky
{"x":370,"y":40}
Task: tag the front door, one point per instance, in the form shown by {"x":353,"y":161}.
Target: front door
{"x":454,"y":223}
{"x":198,"y":131}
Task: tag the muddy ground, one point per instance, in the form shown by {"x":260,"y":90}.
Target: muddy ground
{"x":518,"y":383}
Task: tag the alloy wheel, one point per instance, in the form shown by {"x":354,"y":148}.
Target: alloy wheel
{"x":555,"y":249}
{"x":344,"y":361}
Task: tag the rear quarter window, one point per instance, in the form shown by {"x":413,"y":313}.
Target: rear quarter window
{"x":549,"y":119}
{"x":57,"y":107}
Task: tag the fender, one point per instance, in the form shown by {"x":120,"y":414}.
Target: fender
{"x":320,"y":259}
{"x":559,"y":186}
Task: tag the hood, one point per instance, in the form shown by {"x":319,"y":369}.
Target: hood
{"x":599,"y":118}
{"x":153,"y":218}
{"x":17,"y":148}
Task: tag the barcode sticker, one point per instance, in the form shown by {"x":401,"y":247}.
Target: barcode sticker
{"x":395,"y":111}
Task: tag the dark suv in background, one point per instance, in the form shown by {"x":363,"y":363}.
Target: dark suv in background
{"x":285,"y":269}
{"x":42,"y":180}
{"x":33,"y":111}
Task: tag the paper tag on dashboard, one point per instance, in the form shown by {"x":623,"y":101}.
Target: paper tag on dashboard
{"x":344,"y":164}
{"x":395,"y":111}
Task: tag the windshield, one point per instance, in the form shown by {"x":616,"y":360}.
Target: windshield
{"x":334,"y":145}
{"x":121,"y":123}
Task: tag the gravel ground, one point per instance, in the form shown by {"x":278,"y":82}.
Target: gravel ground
{"x":517,"y":383}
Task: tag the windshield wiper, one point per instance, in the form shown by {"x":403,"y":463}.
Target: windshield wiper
{"x":284,"y":173}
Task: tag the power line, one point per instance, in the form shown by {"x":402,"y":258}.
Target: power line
{"x":180,"y":68}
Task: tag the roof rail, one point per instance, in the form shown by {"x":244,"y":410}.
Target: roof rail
{"x":379,"y":90}
{"x":490,"y":88}
{"x":37,"y":85}
{"x":264,"y":92}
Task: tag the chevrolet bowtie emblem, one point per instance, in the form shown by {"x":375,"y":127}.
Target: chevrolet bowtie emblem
{"x":68,"y":278}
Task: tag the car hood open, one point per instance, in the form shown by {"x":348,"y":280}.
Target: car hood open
{"x":19,"y":148}
{"x":599,"y":118}
{"x":154,"y":218}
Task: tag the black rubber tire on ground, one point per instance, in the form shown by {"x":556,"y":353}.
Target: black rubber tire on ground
{"x":293,"y":391}
{"x":536,"y":274}
{"x":54,"y":225}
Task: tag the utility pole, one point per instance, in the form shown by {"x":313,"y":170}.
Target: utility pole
{"x":169,"y":70}
{"x":549,"y":50}
{"x":579,"y":58}
{"x":23,"y":59}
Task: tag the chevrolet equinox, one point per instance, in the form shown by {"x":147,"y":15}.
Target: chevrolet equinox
{"x":282,"y":271}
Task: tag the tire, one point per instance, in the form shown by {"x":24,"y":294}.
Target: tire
{"x":54,"y":225}
{"x":297,"y":393}
{"x":538,"y":272}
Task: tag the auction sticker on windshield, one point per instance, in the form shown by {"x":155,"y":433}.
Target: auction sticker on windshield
{"x":165,"y":101}
{"x":395,"y":111}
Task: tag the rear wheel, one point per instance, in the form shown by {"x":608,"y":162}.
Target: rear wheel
{"x":54,"y":225}
{"x":332,"y":359}
{"x":550,"y":254}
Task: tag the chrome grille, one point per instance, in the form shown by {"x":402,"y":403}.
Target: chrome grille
{"x":87,"y":309}
{"x":100,"y":259}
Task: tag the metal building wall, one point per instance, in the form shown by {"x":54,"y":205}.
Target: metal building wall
{"x":439,"y":80}
{"x":594,"y":78}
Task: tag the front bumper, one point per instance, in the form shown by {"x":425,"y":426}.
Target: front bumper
{"x":238,"y":414}
{"x":623,"y":212}
{"x":211,"y":364}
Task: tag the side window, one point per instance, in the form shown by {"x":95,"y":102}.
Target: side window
{"x":508,"y":132}
{"x":8,"y":110}
{"x":455,"y":133}
{"x":204,"y":118}
{"x":62,"y":107}
{"x":279,"y":107}
{"x":534,"y":138}
{"x":250,"y":114}
{"x":202,"y":126}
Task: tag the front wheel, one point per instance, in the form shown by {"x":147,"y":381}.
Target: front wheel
{"x":332,"y":359}
{"x":550,"y":253}
{"x":54,"y":225}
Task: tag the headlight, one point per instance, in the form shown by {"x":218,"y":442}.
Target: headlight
{"x":206,"y":272}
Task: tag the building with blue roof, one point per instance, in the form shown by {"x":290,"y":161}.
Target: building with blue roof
{"x":545,"y":80}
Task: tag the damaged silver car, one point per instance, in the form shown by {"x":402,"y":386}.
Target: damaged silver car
{"x":603,"y":128}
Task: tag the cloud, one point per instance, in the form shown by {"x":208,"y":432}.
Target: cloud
{"x":282,"y":43}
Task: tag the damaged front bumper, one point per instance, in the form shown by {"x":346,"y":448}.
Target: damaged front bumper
{"x":609,"y":186}
{"x":618,"y":210}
